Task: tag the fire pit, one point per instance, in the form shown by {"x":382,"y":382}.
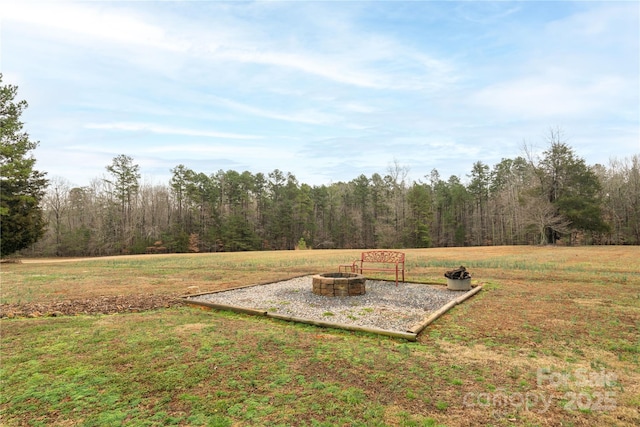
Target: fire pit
{"x":338,"y":284}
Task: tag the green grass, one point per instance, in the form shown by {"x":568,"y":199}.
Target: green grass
{"x":183,"y":366}
{"x":99,"y":370}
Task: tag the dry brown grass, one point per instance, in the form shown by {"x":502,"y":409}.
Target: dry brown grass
{"x":562,"y":308}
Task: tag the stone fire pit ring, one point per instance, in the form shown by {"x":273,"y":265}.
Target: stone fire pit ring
{"x":338,"y":284}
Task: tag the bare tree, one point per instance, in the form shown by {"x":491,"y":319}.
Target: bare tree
{"x":56,"y":204}
{"x":397,"y":181}
{"x":540,"y":214}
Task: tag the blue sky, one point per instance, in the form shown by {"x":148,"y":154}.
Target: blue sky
{"x":324,"y":90}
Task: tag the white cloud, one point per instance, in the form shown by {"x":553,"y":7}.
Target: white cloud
{"x":532,"y":96}
{"x":204,"y":151}
{"x":356,"y":61}
{"x":159,"y":129}
{"x":603,"y":22}
{"x":309,"y":116}
{"x":329,"y":67}
{"x":84,"y":21}
{"x":357,"y":107}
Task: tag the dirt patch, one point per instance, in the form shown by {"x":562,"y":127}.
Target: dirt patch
{"x":191,"y":328}
{"x":98,"y":305}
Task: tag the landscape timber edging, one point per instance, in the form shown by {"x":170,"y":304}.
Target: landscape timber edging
{"x":442,"y":310}
{"x":396,"y":334}
{"x":182,"y":298}
{"x":234,"y":308}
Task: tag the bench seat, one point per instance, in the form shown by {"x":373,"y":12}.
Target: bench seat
{"x":378,"y":260}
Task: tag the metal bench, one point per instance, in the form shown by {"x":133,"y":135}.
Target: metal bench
{"x":392,"y":261}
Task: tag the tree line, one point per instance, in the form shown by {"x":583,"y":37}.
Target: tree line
{"x":552,"y":197}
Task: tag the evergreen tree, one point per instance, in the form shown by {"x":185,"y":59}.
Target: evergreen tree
{"x":571,"y":186}
{"x":21,"y":186}
{"x":479,"y":189}
{"x":418,"y":224}
{"x":125,"y":186}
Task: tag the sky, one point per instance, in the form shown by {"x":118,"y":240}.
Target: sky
{"x":325,"y":90}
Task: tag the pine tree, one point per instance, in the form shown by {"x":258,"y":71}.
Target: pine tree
{"x":21,"y":186}
{"x":571,"y":187}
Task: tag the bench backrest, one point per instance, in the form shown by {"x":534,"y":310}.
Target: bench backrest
{"x":389,"y":257}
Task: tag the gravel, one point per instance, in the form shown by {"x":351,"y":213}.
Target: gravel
{"x":384,"y":306}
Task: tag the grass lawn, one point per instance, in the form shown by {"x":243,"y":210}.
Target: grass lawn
{"x":551,"y":340}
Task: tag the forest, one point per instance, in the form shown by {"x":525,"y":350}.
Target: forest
{"x":550,"y":198}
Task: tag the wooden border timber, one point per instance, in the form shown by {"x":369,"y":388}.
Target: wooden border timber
{"x":234,"y":308}
{"x":180,"y":298}
{"x":442,"y":310}
{"x":396,"y":334}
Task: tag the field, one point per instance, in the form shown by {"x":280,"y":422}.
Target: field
{"x":552,"y":339}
